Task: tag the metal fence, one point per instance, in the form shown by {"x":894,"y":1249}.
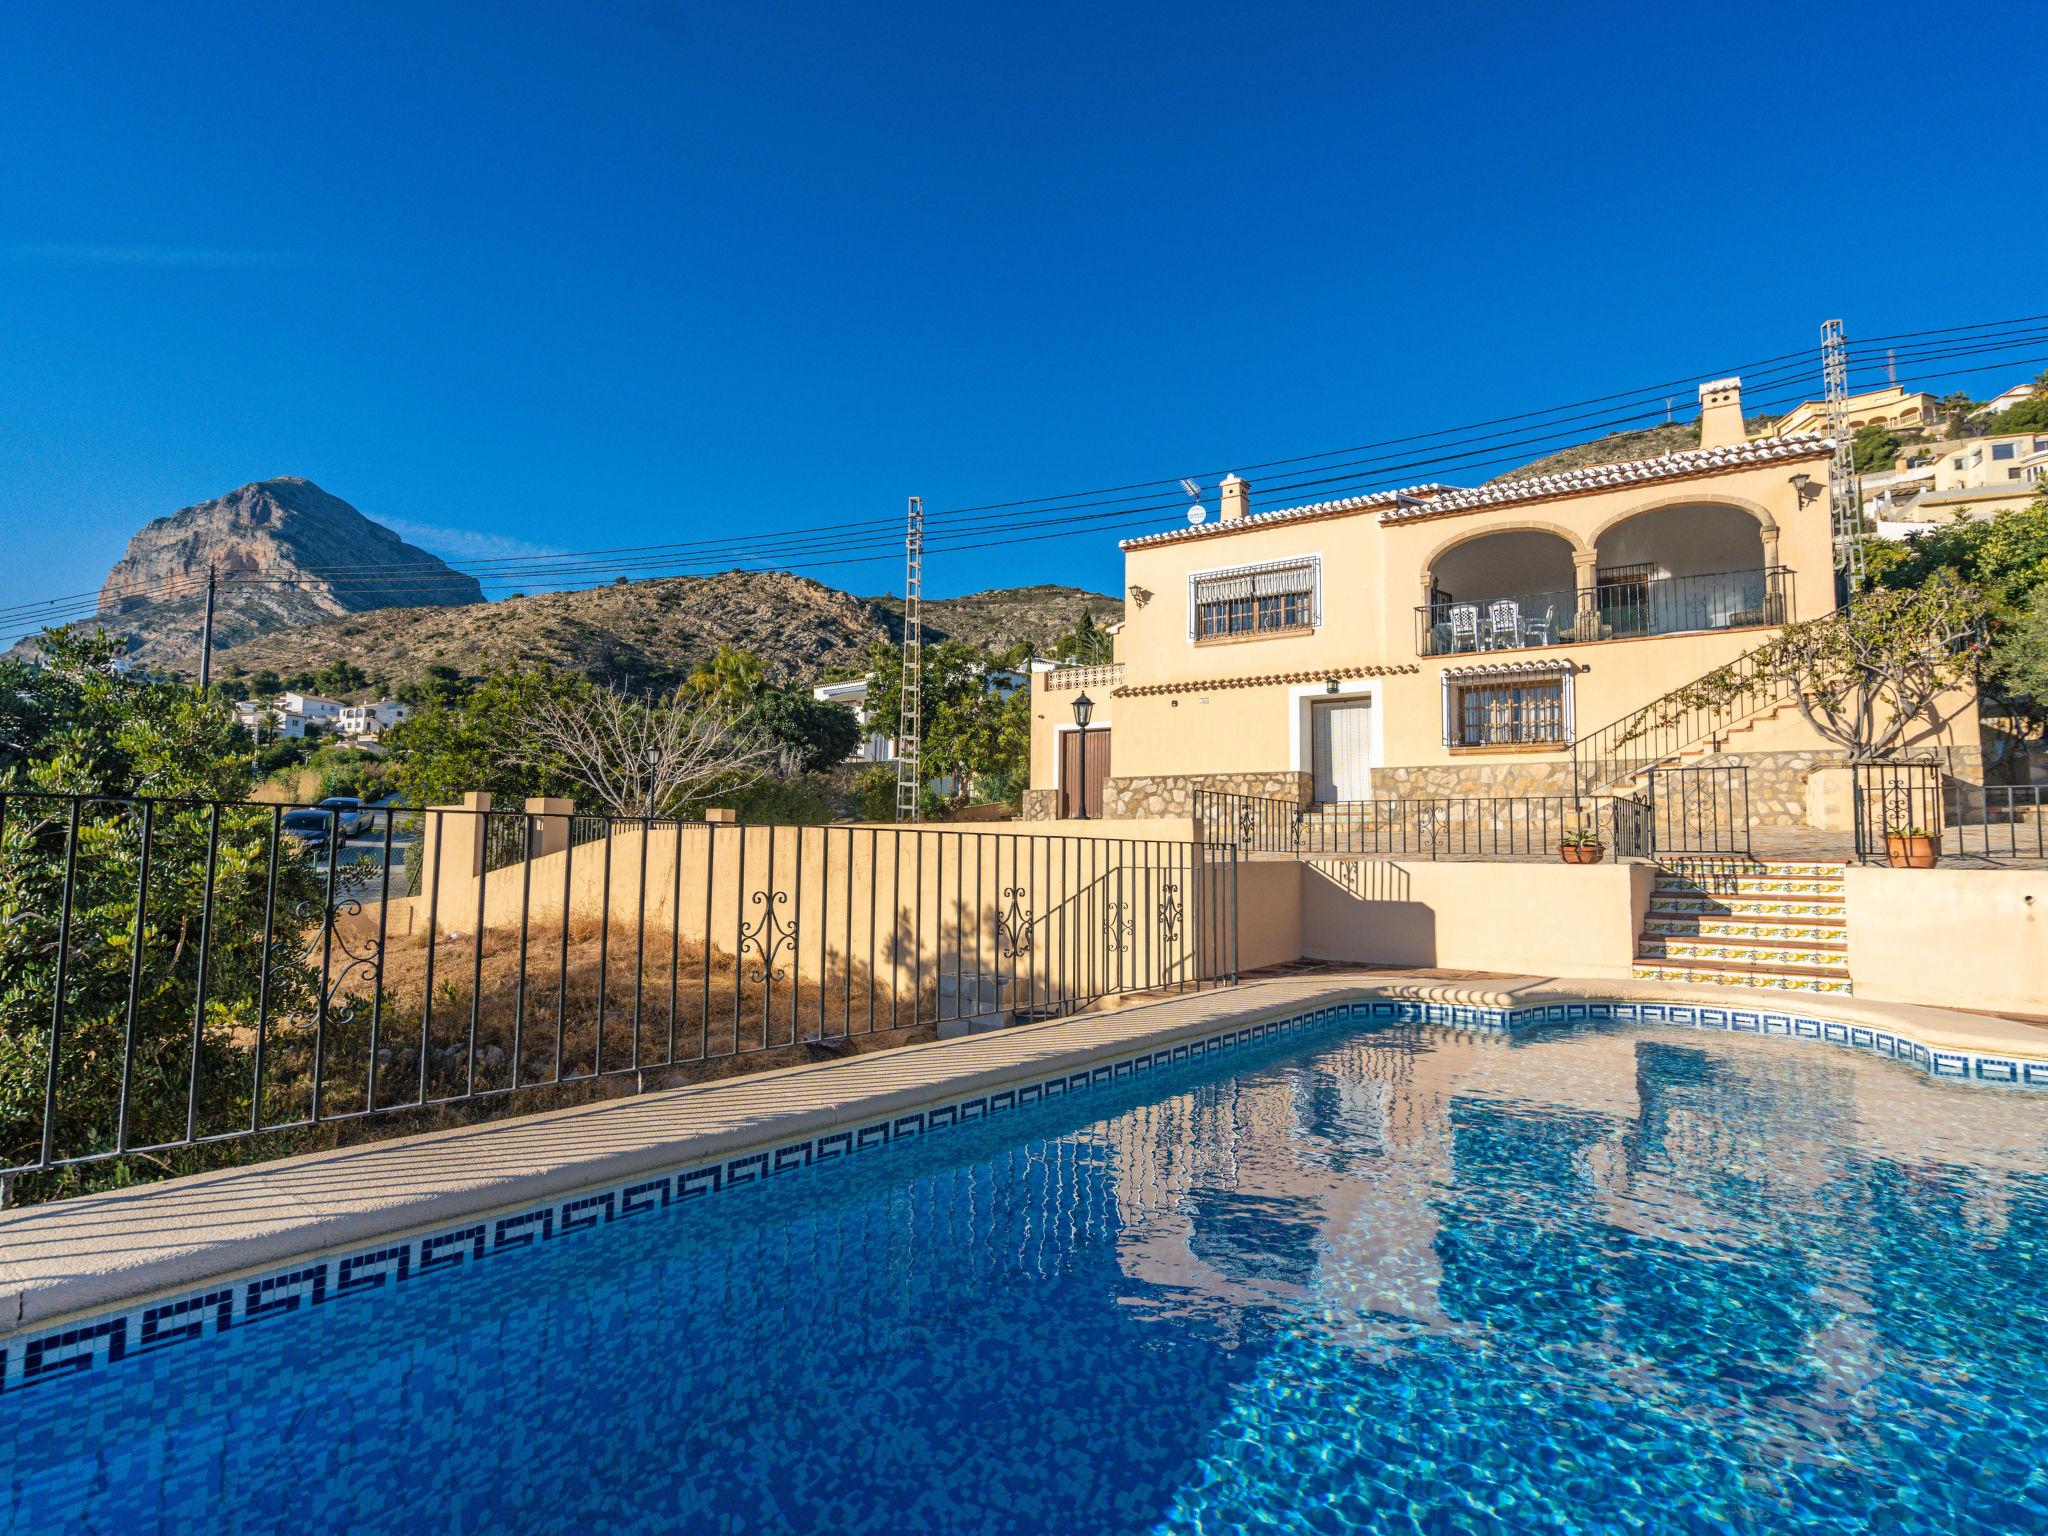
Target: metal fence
{"x":1431,"y":827}
{"x":1248,"y":823}
{"x":178,"y":974}
{"x":1700,"y":810}
{"x":1993,"y":823}
{"x":1695,"y":810}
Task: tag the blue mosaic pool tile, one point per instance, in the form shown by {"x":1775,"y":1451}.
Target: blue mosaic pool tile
{"x":208,"y":1314}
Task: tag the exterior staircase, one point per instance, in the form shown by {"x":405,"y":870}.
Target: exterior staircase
{"x":1743,"y":923}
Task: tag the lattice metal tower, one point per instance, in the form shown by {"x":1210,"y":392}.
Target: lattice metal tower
{"x":910,"y":728}
{"x":1845,"y":491}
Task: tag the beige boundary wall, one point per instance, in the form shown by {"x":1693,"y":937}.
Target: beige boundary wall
{"x":1066,"y":909}
{"x":1954,"y":938}
{"x":1518,"y":918}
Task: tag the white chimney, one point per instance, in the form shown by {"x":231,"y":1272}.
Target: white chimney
{"x":1721,"y":414}
{"x":1237,"y":497}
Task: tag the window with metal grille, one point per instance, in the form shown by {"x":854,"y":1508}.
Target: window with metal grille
{"x":1507,"y":714}
{"x":1254,"y":599}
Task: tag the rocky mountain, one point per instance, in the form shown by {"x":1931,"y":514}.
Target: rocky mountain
{"x":1006,"y":617}
{"x":651,"y":633}
{"x":1619,"y":447}
{"x":288,"y":554}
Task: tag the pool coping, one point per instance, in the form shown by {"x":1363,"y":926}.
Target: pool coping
{"x":81,"y":1258}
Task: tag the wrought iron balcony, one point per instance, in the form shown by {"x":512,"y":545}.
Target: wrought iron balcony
{"x":1615,"y":610}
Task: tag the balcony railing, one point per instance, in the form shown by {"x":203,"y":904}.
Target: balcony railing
{"x":1665,"y":605}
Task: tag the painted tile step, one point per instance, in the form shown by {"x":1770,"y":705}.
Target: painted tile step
{"x":1736,"y":868}
{"x":1757,"y":885}
{"x":1740,"y":927}
{"x":1753,"y":908}
{"x":1774,"y":981}
{"x":1771,"y":956}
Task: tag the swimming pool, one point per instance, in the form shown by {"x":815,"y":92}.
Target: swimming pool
{"x":1354,"y":1277}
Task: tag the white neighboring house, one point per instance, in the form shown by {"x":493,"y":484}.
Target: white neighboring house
{"x":874,"y":746}
{"x":371,"y":720}
{"x":311,"y":707}
{"x":2011,"y":397}
{"x":880,"y":746}
{"x":269,"y":722}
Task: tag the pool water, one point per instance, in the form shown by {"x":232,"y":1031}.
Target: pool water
{"x":1604,"y":1279}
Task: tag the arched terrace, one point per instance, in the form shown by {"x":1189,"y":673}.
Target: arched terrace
{"x":1497,"y":591}
{"x":1686,"y":566}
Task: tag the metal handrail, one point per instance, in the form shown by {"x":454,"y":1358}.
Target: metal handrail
{"x":1665,"y":605}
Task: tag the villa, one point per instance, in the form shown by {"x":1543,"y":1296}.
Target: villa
{"x":1446,"y":641}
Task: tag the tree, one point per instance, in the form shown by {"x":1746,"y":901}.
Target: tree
{"x":650,"y":756}
{"x":983,"y":738}
{"x":2020,"y":656}
{"x":79,"y":728}
{"x":1864,"y":677}
{"x":2028,"y":415}
{"x":1956,"y":408}
{"x":729,"y":681}
{"x":1084,"y":645}
{"x":1875,"y":447}
{"x":481,"y":740}
{"x":819,"y":734}
{"x":951,"y":671}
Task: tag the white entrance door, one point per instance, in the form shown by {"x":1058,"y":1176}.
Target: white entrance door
{"x":1342,"y":735}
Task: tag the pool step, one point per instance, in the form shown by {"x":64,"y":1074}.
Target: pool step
{"x":1746,"y":923}
{"x":1702,"y":973}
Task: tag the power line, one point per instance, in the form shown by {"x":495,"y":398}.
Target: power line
{"x":847,"y":543}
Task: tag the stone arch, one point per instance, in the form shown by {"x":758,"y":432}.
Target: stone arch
{"x":1580,"y":545}
{"x":1765,"y":521}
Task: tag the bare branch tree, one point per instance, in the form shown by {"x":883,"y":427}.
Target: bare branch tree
{"x":650,"y":756}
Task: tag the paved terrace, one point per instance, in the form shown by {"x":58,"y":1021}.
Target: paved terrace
{"x":96,"y":1252}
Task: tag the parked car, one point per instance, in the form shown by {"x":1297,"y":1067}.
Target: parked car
{"x":314,"y":825}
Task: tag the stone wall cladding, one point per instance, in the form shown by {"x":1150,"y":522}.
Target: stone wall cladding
{"x":1483,"y":780}
{"x":1777,"y":784}
{"x":1174,"y":794}
{"x":1777,"y":780}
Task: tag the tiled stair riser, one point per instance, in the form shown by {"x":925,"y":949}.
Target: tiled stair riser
{"x":1775,"y":926}
{"x":1744,"y":906}
{"x":1657,"y":947}
{"x":1644,"y":971}
{"x":1741,"y":927}
{"x":1758,"y":886}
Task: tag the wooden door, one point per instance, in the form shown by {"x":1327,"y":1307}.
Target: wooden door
{"x":1072,"y":796}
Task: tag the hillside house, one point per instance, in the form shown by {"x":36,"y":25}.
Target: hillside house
{"x":1439,"y":641}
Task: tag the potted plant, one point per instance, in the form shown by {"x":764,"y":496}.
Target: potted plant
{"x":1581,"y":847}
{"x":1911,"y":847}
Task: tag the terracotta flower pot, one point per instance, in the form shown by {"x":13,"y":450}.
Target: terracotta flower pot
{"x":1582,"y":853}
{"x":1917,"y":850}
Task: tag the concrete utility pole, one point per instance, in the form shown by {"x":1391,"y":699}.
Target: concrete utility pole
{"x":910,"y":726}
{"x":206,"y":635}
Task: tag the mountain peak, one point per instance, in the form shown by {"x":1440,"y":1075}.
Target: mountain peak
{"x":287,"y":552}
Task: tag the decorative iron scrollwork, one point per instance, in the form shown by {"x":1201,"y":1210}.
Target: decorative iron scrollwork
{"x":766,"y":935}
{"x":1116,"y":925}
{"x":1013,"y":924}
{"x":1247,"y":827}
{"x":1169,"y":914}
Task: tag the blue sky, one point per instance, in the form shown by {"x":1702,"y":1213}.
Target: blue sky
{"x":513,"y":277}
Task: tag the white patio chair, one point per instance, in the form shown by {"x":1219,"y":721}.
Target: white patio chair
{"x":1503,"y":624}
{"x":1464,"y":626}
{"x":1538,"y":631}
